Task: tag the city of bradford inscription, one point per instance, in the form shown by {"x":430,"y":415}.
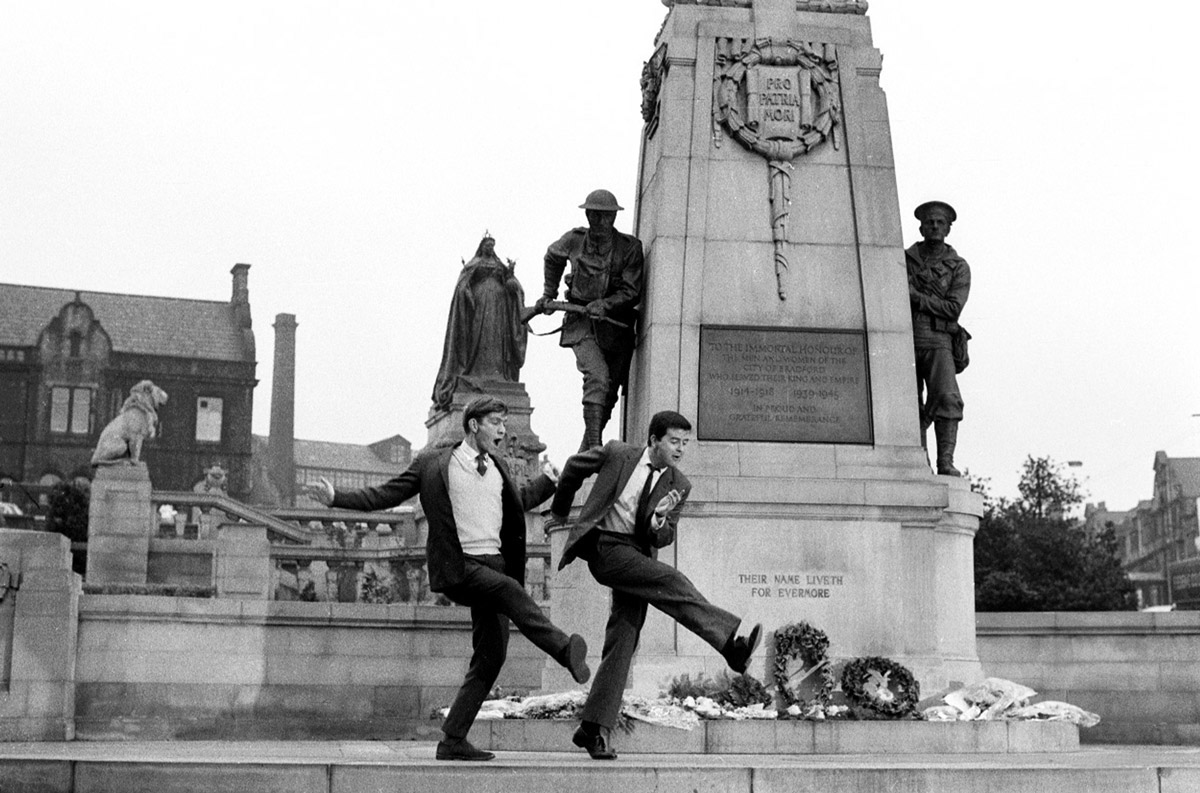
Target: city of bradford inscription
{"x":782,"y":384}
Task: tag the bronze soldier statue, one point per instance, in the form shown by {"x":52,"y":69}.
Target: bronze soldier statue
{"x":939,"y":281}
{"x":606,"y":279}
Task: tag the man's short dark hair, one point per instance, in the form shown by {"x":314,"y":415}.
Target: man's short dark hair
{"x":664,"y":421}
{"x":479,"y":407}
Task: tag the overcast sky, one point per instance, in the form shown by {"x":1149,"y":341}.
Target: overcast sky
{"x":355,"y":152}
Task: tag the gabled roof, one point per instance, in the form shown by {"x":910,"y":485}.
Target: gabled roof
{"x":1185,"y":472}
{"x":333,"y":456}
{"x":168,"y":326}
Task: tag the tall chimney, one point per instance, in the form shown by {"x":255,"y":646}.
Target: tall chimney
{"x":281,"y":445}
{"x":241,"y":284}
{"x":240,"y":303}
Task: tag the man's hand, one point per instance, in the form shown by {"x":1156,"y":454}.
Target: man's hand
{"x":321,"y":490}
{"x":541,"y":306}
{"x":549,"y":469}
{"x":553,"y":521}
{"x":667,"y":503}
{"x":597,"y":309}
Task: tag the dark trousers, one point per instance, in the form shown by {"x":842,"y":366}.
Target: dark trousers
{"x":494,"y":598}
{"x":636,"y":581}
{"x":937,"y":386}
{"x":603,"y":372}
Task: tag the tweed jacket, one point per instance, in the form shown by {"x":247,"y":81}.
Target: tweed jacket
{"x":613,"y":464}
{"x":429,"y":477}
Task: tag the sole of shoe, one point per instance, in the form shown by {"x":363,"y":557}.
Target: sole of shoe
{"x":577,"y":660}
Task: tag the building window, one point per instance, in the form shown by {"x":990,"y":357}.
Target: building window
{"x":71,"y":410}
{"x":208,"y":419}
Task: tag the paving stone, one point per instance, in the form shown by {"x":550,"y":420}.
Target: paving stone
{"x":188,"y":778}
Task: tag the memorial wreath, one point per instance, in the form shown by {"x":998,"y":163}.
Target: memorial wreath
{"x":801,"y":642}
{"x":882,"y":686}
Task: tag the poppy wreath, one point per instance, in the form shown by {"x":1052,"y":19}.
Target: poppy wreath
{"x":801,"y":641}
{"x":881,"y":685}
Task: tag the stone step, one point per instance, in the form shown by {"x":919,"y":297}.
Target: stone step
{"x":398,"y":767}
{"x":788,"y":737}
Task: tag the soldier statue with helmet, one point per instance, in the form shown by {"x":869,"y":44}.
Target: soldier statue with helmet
{"x":605,"y":282}
{"x":939,"y":282}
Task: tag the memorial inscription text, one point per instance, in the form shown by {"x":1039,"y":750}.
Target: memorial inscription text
{"x":771,"y":384}
{"x":792,"y":586}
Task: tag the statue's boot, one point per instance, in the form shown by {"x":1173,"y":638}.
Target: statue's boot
{"x":593,"y":426}
{"x":946,"y":431}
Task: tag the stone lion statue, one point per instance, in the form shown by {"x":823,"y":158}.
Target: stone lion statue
{"x":121,"y":440}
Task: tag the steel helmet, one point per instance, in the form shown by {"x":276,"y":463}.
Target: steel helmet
{"x":603,"y":200}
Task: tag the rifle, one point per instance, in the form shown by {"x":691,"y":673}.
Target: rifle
{"x":529,"y":312}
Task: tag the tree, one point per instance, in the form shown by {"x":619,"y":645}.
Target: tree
{"x":1029,"y":556}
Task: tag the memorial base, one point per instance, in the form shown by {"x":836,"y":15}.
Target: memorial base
{"x":884,"y":567}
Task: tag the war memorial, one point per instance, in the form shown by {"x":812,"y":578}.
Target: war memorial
{"x":764,"y":295}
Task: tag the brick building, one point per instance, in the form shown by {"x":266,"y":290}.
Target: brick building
{"x":1158,"y":538}
{"x":68,"y":359}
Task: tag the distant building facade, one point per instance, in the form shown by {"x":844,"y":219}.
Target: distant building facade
{"x":348,"y":466}
{"x":68,"y":359}
{"x":1158,"y":538}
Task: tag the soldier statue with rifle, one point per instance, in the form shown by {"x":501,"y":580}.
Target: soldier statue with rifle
{"x":604,"y":287}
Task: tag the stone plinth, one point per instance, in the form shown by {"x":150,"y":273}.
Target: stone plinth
{"x":776,"y":296}
{"x":243,"y":562}
{"x":37,"y":638}
{"x":121,"y":520}
{"x":522,"y":447}
{"x":791,"y":737}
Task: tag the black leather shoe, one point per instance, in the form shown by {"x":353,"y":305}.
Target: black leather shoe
{"x":737,"y":655}
{"x":461,"y":750}
{"x":575,"y":659}
{"x":596,"y":744}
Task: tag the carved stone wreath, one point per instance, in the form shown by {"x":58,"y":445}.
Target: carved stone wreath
{"x":779,"y":99}
{"x":881,"y":685}
{"x":801,"y":642}
{"x":817,"y":112}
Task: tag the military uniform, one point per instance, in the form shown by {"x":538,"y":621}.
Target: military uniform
{"x":938,"y":290}
{"x":608,"y":271}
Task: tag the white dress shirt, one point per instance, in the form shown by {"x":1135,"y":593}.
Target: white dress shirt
{"x":621,"y":517}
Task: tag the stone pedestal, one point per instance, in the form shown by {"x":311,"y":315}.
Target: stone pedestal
{"x":776,"y":317}
{"x":243,"y":562}
{"x":522,"y":447}
{"x":38,"y":629}
{"x":121,"y":520}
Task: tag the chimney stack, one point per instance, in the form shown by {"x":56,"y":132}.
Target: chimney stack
{"x":281,"y":445}
{"x":241,"y":284}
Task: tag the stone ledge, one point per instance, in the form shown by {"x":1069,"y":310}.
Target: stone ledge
{"x":785,"y":737}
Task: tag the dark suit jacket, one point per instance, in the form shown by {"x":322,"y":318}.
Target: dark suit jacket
{"x":613,"y":463}
{"x":428,"y":476}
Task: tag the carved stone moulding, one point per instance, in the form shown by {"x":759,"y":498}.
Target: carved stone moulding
{"x":819,"y":6}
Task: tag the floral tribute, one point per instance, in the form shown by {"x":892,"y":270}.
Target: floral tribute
{"x":881,"y":686}
{"x":801,"y":650}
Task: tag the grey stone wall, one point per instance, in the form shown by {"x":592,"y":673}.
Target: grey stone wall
{"x":1139,"y":671}
{"x":179,"y":668}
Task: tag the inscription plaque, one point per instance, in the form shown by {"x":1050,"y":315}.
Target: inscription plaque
{"x":783,"y":384}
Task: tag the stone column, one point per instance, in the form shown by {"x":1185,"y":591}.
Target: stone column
{"x":121,"y":520}
{"x":39,"y":617}
{"x":243,"y":562}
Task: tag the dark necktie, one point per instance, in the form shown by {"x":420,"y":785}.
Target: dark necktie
{"x":642,"y":516}
{"x":481,"y":464}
